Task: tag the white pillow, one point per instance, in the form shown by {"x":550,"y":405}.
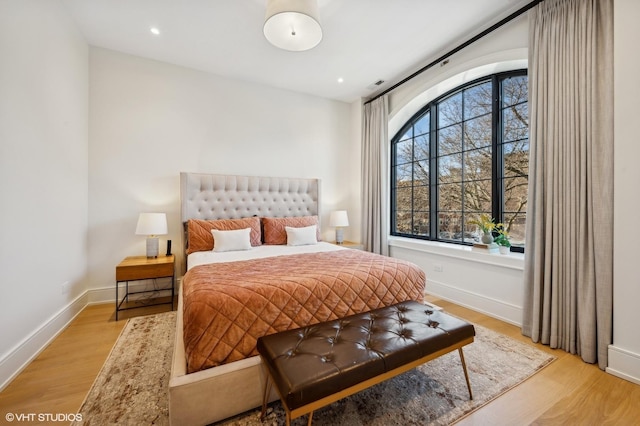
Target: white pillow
{"x":301,"y":236}
{"x":237,"y":239}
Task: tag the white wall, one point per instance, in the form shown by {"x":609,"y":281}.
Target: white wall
{"x":149,"y":121}
{"x":492,"y":284}
{"x":508,"y":44}
{"x":43,"y":175}
{"x":487,"y":283}
{"x":624,"y":354}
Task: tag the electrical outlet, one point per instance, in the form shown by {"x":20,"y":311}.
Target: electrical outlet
{"x":437,"y":267}
{"x":65,"y":287}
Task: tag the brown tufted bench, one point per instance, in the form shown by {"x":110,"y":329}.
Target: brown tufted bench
{"x":317,"y":365}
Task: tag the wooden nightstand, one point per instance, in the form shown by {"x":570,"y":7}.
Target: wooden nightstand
{"x":134,"y":268}
{"x":350,"y":245}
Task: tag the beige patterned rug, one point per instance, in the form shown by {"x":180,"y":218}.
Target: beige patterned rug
{"x":131,"y":388}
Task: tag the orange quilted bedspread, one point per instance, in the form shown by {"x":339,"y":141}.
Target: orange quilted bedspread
{"x":227,"y":306}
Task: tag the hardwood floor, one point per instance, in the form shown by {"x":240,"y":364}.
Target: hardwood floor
{"x":58,"y":380}
{"x":567,"y":392}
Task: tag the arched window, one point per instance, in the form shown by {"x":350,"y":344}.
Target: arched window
{"x":464,"y":154}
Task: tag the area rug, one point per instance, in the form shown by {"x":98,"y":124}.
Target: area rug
{"x":132,"y":386}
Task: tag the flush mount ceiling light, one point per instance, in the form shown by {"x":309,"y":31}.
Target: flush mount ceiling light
{"x":292,"y":24}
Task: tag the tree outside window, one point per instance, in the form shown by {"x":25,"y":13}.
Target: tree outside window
{"x":464,"y":155}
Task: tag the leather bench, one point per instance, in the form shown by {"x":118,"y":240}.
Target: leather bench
{"x":319,"y":364}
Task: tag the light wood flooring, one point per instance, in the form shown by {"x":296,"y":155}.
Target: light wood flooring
{"x":567,"y":392}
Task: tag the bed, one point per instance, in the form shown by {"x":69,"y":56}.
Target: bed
{"x":252,"y":283}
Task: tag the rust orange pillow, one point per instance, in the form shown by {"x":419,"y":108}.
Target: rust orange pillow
{"x":274,"y":232}
{"x":201,"y":239}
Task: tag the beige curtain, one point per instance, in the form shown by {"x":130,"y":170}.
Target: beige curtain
{"x":569,"y":260}
{"x":375,"y":146}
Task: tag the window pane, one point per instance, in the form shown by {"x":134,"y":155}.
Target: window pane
{"x":516,"y":158}
{"x":515,"y":123}
{"x":421,"y":197}
{"x":421,"y":147}
{"x":471,"y":231}
{"x":477,"y":100}
{"x":404,"y":152}
{"x":421,"y":172}
{"x":450,"y":226}
{"x":514,"y":90}
{"x":450,"y":140}
{"x":477,"y":196}
{"x":422,"y":126}
{"x":421,"y":223}
{"x":516,"y":227}
{"x":477,"y":164}
{"x":450,"y":197}
{"x":515,"y":148}
{"x":515,"y":194}
{"x":450,"y":168}
{"x":404,"y":198}
{"x":403,"y":221}
{"x":407,"y":135}
{"x":450,"y":110}
{"x":403,"y":174}
{"x":477,"y":132}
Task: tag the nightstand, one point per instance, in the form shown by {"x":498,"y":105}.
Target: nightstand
{"x":134,"y":268}
{"x":350,"y":245}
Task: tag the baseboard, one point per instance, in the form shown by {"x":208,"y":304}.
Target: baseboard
{"x":624,"y":364}
{"x":108,"y":294}
{"x":102,"y":295}
{"x":26,"y":351}
{"x":495,"y":308}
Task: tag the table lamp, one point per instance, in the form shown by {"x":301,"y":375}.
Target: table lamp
{"x":339,"y":219}
{"x":152,"y":225}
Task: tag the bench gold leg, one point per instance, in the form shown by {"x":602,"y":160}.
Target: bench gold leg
{"x":466,"y":375}
{"x":310,"y":417}
{"x":265,"y":397}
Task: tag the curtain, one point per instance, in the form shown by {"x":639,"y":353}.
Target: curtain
{"x":569,"y":260}
{"x":375,"y":147}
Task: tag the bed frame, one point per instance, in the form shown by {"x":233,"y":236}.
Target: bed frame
{"x":218,"y":393}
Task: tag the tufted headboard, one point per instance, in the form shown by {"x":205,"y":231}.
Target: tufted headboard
{"x":211,"y":197}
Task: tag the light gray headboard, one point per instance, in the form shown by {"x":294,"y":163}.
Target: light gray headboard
{"x":210,"y":197}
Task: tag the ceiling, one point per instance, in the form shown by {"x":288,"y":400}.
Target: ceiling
{"x":363,"y":40}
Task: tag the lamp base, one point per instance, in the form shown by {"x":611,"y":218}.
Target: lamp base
{"x":339,"y":235}
{"x":152,"y":247}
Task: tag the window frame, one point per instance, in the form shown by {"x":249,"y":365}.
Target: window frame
{"x":497,"y":160}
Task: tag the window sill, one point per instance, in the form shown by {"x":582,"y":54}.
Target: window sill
{"x":511,"y":260}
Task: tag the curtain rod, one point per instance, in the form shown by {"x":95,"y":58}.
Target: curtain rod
{"x":459,"y":48}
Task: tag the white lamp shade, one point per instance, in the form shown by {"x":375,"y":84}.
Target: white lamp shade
{"x":152,"y":224}
{"x":339,"y":218}
{"x":292,"y":24}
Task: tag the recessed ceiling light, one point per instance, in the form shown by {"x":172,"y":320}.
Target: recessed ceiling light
{"x":340,"y":80}
{"x":155,"y":31}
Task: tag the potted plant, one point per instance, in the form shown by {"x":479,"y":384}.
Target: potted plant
{"x":486,"y":225}
{"x":502,"y":239}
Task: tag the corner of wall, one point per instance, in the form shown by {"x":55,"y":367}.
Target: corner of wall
{"x":624,"y":364}
{"x":26,"y":351}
